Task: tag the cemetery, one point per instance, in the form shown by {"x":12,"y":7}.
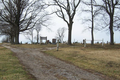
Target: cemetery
{"x":37,"y":40}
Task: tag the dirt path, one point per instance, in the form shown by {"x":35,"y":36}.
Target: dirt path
{"x":45,"y":67}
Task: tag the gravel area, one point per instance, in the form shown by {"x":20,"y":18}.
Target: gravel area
{"x":45,"y":67}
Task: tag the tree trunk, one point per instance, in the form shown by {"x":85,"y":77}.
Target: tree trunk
{"x":92,"y":29}
{"x":17,"y":35}
{"x":17,"y":39}
{"x":69,"y":34}
{"x":37,"y":37}
{"x":17,"y":22}
{"x":12,"y":39}
{"x":92,"y":34}
{"x":32,"y":38}
{"x":111,"y":31}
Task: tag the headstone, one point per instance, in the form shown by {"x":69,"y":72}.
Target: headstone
{"x":53,"y":41}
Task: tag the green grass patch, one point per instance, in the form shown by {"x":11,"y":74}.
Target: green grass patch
{"x":105,"y":60}
{"x":10,"y":68}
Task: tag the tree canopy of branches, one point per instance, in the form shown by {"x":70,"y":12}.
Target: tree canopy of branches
{"x":66,"y":10}
{"x":19,"y":15}
{"x":110,"y":7}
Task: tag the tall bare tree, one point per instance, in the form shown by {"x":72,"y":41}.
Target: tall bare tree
{"x":110,"y":6}
{"x":21,"y":15}
{"x":94,"y":13}
{"x":92,"y":29}
{"x":29,"y":35}
{"x":38,"y":28}
{"x":66,"y":10}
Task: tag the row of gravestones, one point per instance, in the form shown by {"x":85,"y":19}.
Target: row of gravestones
{"x":53,"y":41}
{"x":47,"y":41}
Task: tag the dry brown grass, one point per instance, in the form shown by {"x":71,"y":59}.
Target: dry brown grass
{"x":105,"y":60}
{"x":38,"y":45}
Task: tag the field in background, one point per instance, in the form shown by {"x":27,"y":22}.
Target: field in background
{"x":10,"y":67}
{"x":105,"y":60}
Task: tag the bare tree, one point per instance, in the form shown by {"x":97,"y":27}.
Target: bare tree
{"x":66,"y":10}
{"x":94,"y":13}
{"x":61,"y":34}
{"x":29,"y":35}
{"x":38,"y":28}
{"x":92,"y":29}
{"x":110,"y":7}
{"x":21,"y":15}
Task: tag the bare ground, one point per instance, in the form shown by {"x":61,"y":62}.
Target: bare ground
{"x":45,"y":67}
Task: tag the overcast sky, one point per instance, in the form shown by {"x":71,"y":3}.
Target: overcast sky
{"x":78,"y":33}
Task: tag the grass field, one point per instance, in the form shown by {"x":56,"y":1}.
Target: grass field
{"x":10,"y":67}
{"x":105,"y":60}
